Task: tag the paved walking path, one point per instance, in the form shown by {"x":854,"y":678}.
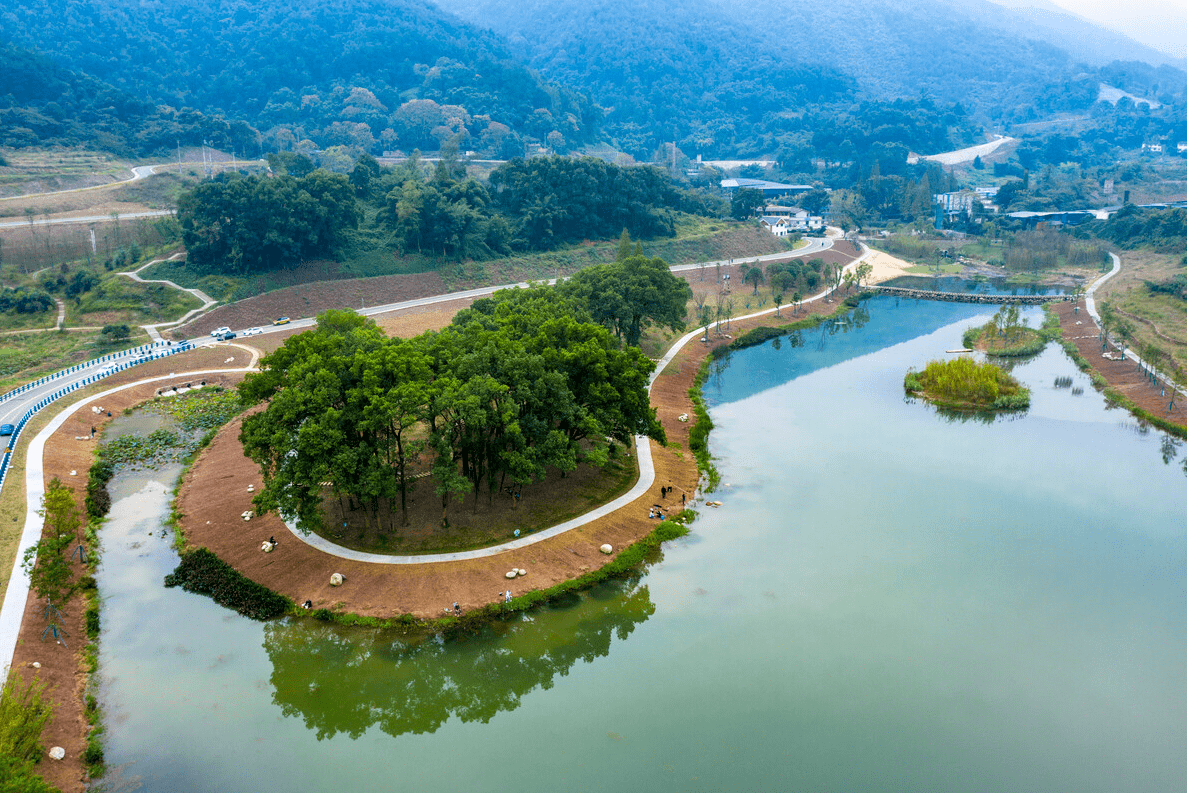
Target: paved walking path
{"x":17,"y":593}
{"x":1090,"y":304}
{"x":207,"y":300}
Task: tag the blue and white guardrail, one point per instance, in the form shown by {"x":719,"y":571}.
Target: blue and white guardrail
{"x":137,"y":355}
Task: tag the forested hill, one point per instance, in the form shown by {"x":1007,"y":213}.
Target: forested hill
{"x":720,"y":75}
{"x":43,"y":104}
{"x":370,"y":73}
{"x":1045,"y":21}
{"x":665,"y":70}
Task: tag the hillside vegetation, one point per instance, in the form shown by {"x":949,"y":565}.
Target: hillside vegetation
{"x":365,"y":73}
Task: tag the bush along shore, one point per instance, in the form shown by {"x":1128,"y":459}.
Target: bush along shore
{"x":964,"y":384}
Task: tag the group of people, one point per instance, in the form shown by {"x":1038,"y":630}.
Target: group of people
{"x":665,"y":491}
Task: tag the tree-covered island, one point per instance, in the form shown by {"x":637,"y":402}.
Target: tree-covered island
{"x":1006,"y":334}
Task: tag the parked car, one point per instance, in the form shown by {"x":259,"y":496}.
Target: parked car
{"x":230,"y":334}
{"x":282,"y":321}
{"x":6,"y":429}
{"x":220,"y":331}
{"x":253,"y":331}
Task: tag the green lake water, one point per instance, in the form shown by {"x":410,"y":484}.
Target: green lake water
{"x":888,"y":600}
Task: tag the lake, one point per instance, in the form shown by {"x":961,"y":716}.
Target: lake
{"x":889,"y":599}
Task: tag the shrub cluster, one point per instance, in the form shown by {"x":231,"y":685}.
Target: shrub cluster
{"x":203,"y":573}
{"x":24,"y":301}
{"x":98,"y":501}
{"x":24,"y":711}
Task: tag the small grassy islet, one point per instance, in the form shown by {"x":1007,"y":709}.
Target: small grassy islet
{"x":964,"y":384}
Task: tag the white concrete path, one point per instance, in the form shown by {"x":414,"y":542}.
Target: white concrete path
{"x":207,"y":301}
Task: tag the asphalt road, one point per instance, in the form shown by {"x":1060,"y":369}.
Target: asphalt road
{"x":815,"y":245}
{"x":15,"y":405}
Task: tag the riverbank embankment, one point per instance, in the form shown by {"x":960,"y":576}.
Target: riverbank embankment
{"x":1120,"y":378}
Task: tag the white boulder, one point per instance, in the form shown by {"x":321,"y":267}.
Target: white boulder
{"x":337,"y":579}
{"x":607,"y":549}
{"x":512,"y":573}
{"x":57,"y":753}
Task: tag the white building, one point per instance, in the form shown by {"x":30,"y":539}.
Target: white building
{"x":776,"y":225}
{"x":956,"y":203}
{"x":797,"y":219}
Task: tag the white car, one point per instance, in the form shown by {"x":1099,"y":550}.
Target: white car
{"x":252,"y":332}
{"x":220,"y":331}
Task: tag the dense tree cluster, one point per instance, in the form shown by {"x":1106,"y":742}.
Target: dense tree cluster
{"x":238,"y":224}
{"x":24,"y":301}
{"x":630,"y":295}
{"x":362,"y":73}
{"x":44,"y":104}
{"x":519,"y":385}
{"x":1131,"y":226}
{"x":555,"y":200}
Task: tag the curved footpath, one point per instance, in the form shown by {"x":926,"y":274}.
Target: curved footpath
{"x":207,"y":301}
{"x":1090,"y":305}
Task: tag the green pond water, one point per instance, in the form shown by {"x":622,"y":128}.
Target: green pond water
{"x":888,"y":600}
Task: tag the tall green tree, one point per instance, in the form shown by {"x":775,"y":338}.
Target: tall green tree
{"x":50,"y":574}
{"x":630,"y":295}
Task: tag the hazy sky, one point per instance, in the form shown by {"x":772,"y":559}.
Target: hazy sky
{"x":1161,"y":24}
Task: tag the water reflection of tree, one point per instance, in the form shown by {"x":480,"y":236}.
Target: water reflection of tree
{"x":345,"y":680}
{"x":1170,"y":450}
{"x":965,"y":416}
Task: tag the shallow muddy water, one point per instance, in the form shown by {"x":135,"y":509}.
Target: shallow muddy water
{"x":889,"y":599}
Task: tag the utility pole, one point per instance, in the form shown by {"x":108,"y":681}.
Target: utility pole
{"x":178,"y":167}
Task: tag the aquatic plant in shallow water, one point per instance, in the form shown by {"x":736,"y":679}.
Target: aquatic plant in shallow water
{"x":965,"y":383}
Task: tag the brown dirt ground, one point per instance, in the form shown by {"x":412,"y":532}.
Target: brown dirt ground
{"x":1121,"y":375}
{"x":215,"y":495}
